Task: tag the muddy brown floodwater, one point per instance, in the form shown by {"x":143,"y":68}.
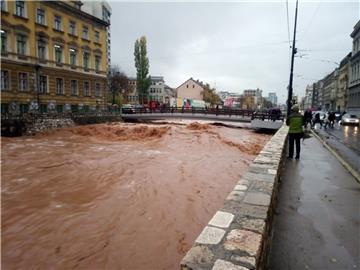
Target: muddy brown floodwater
{"x":116,"y":196}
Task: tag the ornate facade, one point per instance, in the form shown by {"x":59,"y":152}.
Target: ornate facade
{"x":53,"y":57}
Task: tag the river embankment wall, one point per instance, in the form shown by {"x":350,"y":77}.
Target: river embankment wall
{"x":32,"y":123}
{"x":238,"y":236}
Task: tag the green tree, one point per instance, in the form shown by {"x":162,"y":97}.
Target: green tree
{"x":210,"y":95}
{"x":143,"y":80}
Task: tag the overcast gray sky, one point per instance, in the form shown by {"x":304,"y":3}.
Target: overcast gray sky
{"x":234,"y":45}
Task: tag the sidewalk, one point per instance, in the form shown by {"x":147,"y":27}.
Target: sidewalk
{"x":317,"y":222}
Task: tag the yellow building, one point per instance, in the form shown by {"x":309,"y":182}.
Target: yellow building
{"x":53,"y":57}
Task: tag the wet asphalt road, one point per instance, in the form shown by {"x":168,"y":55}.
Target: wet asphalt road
{"x":345,"y":140}
{"x":317,"y":221}
{"x":348,"y":135}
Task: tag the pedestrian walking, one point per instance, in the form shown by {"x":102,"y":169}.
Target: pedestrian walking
{"x":316,"y":120}
{"x":295,"y":122}
{"x":326,"y":120}
{"x":307,"y":117}
{"x":331,"y":118}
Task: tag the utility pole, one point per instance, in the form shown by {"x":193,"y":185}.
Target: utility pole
{"x":294,"y":50}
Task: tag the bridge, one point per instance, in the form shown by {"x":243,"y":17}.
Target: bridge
{"x":263,"y":120}
{"x":192,"y":116}
{"x":16,"y":125}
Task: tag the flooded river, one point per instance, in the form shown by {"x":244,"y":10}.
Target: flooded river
{"x":120,"y":196}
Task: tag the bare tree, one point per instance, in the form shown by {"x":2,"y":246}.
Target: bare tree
{"x":118,"y":83}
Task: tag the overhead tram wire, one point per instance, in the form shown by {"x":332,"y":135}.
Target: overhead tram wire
{"x":288,"y":28}
{"x":318,"y":59}
{"x":227,"y":50}
{"x":311,"y":21}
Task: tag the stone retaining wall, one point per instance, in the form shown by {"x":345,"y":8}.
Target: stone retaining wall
{"x":32,"y":124}
{"x":43,"y":124}
{"x":238,"y":235}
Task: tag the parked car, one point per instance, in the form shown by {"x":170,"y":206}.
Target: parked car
{"x":350,"y":119}
{"x":128,"y":108}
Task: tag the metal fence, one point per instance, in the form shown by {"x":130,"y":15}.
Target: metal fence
{"x":263,"y":115}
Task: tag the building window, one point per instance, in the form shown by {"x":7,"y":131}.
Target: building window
{"x":106,"y":15}
{"x":58,"y":54}
{"x":85,"y":33}
{"x":57,"y":23}
{"x":23,"y":81}
{"x":97,"y":36}
{"x":86,"y":108}
{"x":72,"y":28}
{"x":86,"y":89}
{"x":40,"y":16}
{"x":59,"y":108}
{"x":43,"y":108}
{"x":73,"y":86}
{"x":20,"y":8}
{"x":24,"y":108}
{"x":3,"y":41}
{"x":74,"y":108}
{"x":5,"y":80}
{"x":42,"y":49}
{"x":3,"y":5}
{"x":86,"y":60}
{"x":21,"y":44}
{"x":42,"y":84}
{"x":97,"y":63}
{"x":97,"y":90}
{"x":72,"y":57}
{"x":59,"y":86}
{"x":4,"y":108}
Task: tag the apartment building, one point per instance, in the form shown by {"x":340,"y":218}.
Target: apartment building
{"x":53,"y":57}
{"x":156,"y":91}
{"x":353,"y":105}
{"x":102,"y":10}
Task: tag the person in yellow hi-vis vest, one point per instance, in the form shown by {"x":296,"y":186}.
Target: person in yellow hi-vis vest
{"x":295,"y":122}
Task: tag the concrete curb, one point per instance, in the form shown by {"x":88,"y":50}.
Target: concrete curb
{"x":238,"y":235}
{"x":343,"y":162}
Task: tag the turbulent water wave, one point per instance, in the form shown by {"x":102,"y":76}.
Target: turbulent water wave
{"x":116,"y":196}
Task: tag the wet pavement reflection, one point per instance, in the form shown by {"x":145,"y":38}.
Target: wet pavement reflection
{"x":346,"y":134}
{"x":121,"y":196}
